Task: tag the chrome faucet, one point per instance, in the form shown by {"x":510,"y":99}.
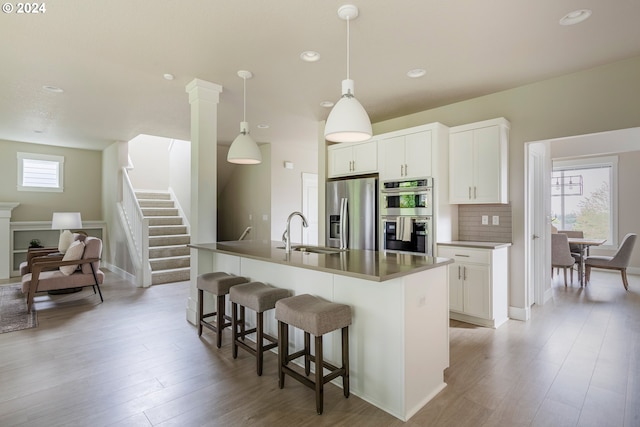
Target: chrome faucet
{"x":287,"y":233}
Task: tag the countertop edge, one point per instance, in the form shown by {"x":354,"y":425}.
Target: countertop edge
{"x":439,"y":262}
{"x":478,"y":245}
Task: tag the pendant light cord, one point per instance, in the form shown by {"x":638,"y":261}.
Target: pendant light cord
{"x":244,"y":99}
{"x":348,"y":38}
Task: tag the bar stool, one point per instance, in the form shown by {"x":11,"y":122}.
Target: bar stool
{"x":258,"y":297}
{"x":318,"y":317}
{"x":217,"y":283}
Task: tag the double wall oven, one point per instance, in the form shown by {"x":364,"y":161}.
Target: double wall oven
{"x":406,"y":210}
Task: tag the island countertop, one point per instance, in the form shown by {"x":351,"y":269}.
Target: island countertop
{"x":369,"y":265}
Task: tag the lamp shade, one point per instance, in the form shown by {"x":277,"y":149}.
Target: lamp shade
{"x":348,"y":121}
{"x":66,"y":220}
{"x":244,"y":149}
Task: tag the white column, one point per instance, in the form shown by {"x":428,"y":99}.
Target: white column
{"x":204,"y":98}
{"x":5,"y":236}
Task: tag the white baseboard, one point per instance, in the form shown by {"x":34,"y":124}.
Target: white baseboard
{"x":520,"y":313}
{"x":120,"y":272}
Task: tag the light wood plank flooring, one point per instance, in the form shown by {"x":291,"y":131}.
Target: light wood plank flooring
{"x":135,"y":361}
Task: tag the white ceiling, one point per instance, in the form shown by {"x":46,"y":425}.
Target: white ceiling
{"x":110,"y":57}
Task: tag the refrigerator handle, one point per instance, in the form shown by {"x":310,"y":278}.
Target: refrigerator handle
{"x":344,"y":223}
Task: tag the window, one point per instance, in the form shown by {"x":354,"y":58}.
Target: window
{"x":40,"y":172}
{"x":584,"y":197}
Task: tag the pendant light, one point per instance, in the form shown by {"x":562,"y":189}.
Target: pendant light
{"x":348,"y":121}
{"x":244,"y":150}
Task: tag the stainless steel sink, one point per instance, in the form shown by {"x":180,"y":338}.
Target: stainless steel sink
{"x":315,"y":249}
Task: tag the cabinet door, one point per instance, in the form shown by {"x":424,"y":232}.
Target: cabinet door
{"x":477,"y":290}
{"x":487,"y":172}
{"x":340,"y":161}
{"x":417,"y":154}
{"x":365,"y":157}
{"x":392,"y":158}
{"x":461,"y":167}
{"x":456,"y":301}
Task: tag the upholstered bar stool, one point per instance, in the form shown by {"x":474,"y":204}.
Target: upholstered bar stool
{"x":217,"y":283}
{"x":258,"y":297}
{"x":318,"y":317}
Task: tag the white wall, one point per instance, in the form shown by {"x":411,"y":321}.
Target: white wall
{"x":150,"y":158}
{"x":179,"y":176}
{"x":116,"y":254}
{"x":286,"y":186}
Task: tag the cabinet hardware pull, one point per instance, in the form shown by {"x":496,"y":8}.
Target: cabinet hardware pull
{"x":475,"y":192}
{"x":466,"y":256}
{"x":464,"y":269}
{"x":459,"y":275}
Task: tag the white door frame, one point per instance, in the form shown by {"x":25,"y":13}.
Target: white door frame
{"x":537,"y":223}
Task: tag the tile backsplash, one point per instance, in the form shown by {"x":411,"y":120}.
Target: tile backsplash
{"x":470,"y":227}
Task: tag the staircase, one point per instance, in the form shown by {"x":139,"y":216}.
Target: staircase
{"x":169,"y":256}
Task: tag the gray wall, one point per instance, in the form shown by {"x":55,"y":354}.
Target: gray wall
{"x":82,"y":183}
{"x":600,"y":99}
{"x":246,"y":201}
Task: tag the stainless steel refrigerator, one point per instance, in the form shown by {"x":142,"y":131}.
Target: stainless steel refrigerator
{"x":352,"y":213}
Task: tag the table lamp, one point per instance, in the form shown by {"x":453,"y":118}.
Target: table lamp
{"x":64,"y":221}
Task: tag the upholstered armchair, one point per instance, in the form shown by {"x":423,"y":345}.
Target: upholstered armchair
{"x":561,"y":255}
{"x":80,"y":267}
{"x":619,"y":261}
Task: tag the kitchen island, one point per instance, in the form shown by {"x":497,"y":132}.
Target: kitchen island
{"x":399,"y":338}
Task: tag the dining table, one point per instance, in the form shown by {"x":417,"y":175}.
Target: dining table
{"x":583,"y":245}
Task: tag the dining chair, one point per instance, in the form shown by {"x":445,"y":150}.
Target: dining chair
{"x":619,"y":261}
{"x":576,"y":250}
{"x":561,"y":255}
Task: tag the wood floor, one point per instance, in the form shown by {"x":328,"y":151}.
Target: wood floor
{"x":135,"y":361}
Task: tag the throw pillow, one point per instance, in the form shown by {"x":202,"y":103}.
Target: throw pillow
{"x":74,"y":253}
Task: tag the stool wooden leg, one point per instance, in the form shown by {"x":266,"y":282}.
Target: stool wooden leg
{"x":259,"y":338}
{"x":200,"y":312}
{"x":219,"y":319}
{"x":242,"y":322}
{"x":234,"y":329}
{"x":345,"y":360}
{"x":319,"y":380}
{"x":283,"y":350}
{"x":307,"y":353}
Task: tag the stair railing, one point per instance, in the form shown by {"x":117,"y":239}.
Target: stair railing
{"x":138,"y":229}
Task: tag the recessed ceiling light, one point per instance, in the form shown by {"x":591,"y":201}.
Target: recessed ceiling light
{"x":310,"y":56}
{"x":52,"y":89}
{"x":263,"y":126}
{"x":416,"y":73}
{"x":168,"y":76}
{"x":575,"y":17}
{"x":326,"y":104}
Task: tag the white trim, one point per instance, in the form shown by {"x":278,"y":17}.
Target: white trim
{"x":519,"y":313}
{"x":59,"y":162}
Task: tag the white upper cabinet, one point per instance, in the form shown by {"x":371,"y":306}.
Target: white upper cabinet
{"x":352,"y":159}
{"x":406,"y":156}
{"x":478,"y":162}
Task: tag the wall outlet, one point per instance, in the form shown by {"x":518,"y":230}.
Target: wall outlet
{"x":496,"y":220}
{"x":485,"y":219}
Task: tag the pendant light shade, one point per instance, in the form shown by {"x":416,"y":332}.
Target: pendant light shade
{"x":244,"y":150}
{"x":348,"y":121}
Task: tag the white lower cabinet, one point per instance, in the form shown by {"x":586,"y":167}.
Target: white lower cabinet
{"x":478,"y":284}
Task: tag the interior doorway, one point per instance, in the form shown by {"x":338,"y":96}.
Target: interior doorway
{"x":538,"y":160}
